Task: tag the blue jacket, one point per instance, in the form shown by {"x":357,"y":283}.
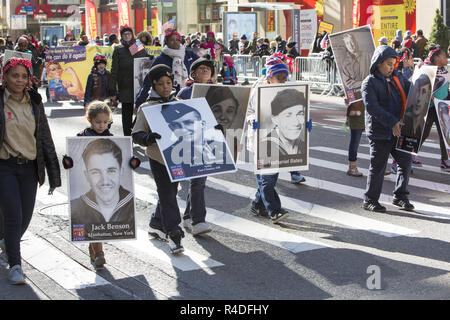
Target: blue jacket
{"x":189,"y":58}
{"x":382,"y":105}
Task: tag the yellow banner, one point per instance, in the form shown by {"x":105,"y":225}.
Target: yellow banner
{"x":71,"y":77}
{"x":388,"y":19}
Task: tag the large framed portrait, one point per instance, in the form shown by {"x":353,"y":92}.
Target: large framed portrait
{"x":101,"y":189}
{"x":353,"y":50}
{"x":190,"y":145}
{"x":229,"y":106}
{"x":443,"y":113}
{"x":282,"y":135}
{"x":416,"y":111}
{"x":240,"y":23}
{"x":141,"y":66}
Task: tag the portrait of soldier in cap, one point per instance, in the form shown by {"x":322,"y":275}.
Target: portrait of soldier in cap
{"x":282,"y":126}
{"x":195,"y":147}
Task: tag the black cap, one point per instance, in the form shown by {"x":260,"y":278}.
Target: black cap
{"x":158,"y":71}
{"x":286,"y":99}
{"x":203,"y":61}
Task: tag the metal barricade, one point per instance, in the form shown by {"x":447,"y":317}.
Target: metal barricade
{"x":321,"y":73}
{"x":248,"y":68}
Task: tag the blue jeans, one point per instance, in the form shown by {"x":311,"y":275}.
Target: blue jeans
{"x":355,"y":138}
{"x":18,"y":187}
{"x":379,"y":154}
{"x":167,"y":214}
{"x":266,"y":193}
{"x":195,"y":201}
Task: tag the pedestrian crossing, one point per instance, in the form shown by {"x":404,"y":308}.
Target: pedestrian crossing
{"x":71,"y":275}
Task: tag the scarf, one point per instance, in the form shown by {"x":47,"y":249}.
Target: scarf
{"x":179,"y":70}
{"x":210,"y":46}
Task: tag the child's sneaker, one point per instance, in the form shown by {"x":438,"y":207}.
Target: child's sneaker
{"x":175,"y":237}
{"x":416,"y":162}
{"x":297,"y":178}
{"x":157,"y":233}
{"x":16,"y":275}
{"x":445,"y":165}
{"x":279,"y":215}
{"x":200,"y":228}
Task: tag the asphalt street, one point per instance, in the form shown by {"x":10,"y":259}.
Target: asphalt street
{"x":328,"y":248}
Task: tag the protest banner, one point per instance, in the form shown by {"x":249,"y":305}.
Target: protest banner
{"x":443,"y":113}
{"x":71,"y":66}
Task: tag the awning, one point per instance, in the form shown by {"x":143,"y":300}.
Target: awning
{"x":270,"y":6}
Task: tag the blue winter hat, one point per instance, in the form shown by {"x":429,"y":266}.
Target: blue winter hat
{"x":244,"y":37}
{"x":275,"y":69}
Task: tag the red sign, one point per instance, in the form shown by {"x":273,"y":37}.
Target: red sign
{"x":48,"y":10}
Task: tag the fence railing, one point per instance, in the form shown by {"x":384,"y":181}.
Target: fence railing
{"x":321,"y":73}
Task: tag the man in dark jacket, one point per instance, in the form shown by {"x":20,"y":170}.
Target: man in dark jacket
{"x":122,"y":74}
{"x":384,"y":94}
{"x":234,"y":44}
{"x":163,"y":58}
{"x":263,"y":49}
{"x":281,"y":44}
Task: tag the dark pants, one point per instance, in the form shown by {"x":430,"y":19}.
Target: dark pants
{"x":355,"y":139}
{"x":432,"y":118}
{"x":266,"y":193}
{"x":379,"y":154}
{"x":127,"y":118}
{"x":167,"y":214}
{"x":18,"y":186}
{"x":195,"y":201}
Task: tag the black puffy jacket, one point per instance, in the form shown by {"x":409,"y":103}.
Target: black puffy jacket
{"x":46,"y":155}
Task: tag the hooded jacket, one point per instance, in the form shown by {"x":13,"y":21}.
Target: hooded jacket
{"x":383,"y":104}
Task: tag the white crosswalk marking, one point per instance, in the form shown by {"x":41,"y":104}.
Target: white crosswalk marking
{"x":252,"y":229}
{"x":56,"y":265}
{"x":412,"y":181}
{"x":343,"y":189}
{"x":344,"y":218}
{"x":421,"y":154}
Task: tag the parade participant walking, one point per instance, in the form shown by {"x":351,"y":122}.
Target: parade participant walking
{"x":267,"y":203}
{"x":99,"y":116}
{"x":165,"y":221}
{"x":228,"y":71}
{"x":437,"y":57}
{"x":26,"y":151}
{"x":384,"y":94}
{"x":122,"y":74}
{"x":202,"y":71}
{"x":177,"y":58}
{"x":98,"y":82}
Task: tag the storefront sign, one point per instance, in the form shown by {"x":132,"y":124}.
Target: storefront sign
{"x":308,"y":28}
{"x":18,"y":22}
{"x":43,"y":9}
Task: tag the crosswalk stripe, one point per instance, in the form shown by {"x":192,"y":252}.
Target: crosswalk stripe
{"x":281,"y":239}
{"x":412,"y":181}
{"x":421,"y":154}
{"x":344,"y":218}
{"x":188,"y":261}
{"x":58,"y":266}
{"x":420,"y":207}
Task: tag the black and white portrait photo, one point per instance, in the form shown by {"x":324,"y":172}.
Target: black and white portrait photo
{"x":190,"y":144}
{"x":416,"y":111}
{"x":142,"y":66}
{"x":282,"y":134}
{"x":443,"y":112}
{"x":101,"y":189}
{"x":353,"y":50}
{"x":229,"y":106}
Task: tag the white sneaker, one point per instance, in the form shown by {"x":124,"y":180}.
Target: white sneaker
{"x":187,"y":223}
{"x":2,"y":245}
{"x":16,"y":275}
{"x":200,"y":228}
{"x":157,"y":234}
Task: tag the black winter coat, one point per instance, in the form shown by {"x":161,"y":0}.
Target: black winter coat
{"x":46,"y":157}
{"x":122,"y":72}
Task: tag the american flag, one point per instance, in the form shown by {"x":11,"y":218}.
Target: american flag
{"x":168,"y":25}
{"x":136,"y":47}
